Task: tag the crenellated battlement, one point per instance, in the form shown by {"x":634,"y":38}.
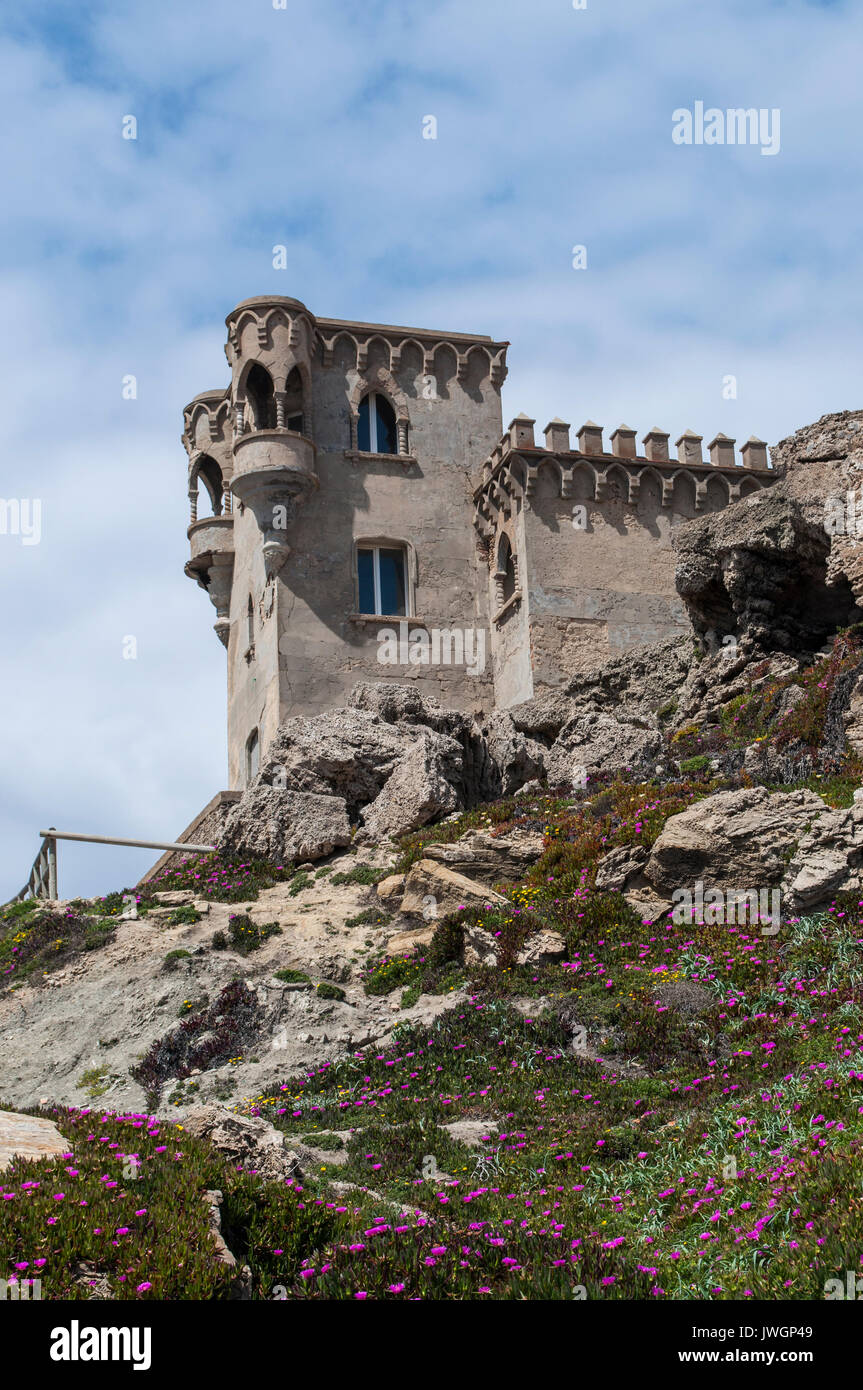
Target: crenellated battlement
{"x":590,"y":472}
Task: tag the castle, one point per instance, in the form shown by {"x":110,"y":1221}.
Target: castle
{"x":371,"y":519}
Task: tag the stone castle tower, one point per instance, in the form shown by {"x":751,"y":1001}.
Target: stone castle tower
{"x":372,"y":521}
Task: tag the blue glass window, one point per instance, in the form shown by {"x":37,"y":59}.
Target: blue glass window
{"x":377,"y":432}
{"x":382,"y":574}
{"x":365,"y":438}
{"x":392,"y":585}
{"x":366,"y":568}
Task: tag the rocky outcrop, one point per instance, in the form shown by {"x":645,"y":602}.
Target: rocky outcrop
{"x":736,"y":839}
{"x":251,"y":1143}
{"x":390,"y":760}
{"x":433,"y":891}
{"x":637,"y":684}
{"x":774,"y":571}
{"x":286,"y":826}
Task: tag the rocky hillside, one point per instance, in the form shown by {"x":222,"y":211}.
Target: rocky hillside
{"x":564,"y":1004}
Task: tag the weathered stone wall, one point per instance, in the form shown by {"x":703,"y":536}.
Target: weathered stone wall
{"x":253,"y":679}
{"x":325,"y":647}
{"x":599,"y":588}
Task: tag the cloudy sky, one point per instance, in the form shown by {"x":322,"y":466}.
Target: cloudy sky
{"x":302,"y":126}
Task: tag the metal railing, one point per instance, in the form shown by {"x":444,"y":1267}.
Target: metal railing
{"x":42,"y":882}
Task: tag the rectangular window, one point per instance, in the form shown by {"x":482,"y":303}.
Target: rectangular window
{"x":383,"y":585}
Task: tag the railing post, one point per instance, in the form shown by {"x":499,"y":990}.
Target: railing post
{"x":51,"y":845}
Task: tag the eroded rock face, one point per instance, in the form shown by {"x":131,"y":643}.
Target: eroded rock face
{"x":598,"y":742}
{"x":768,"y":569}
{"x":517,"y":757}
{"x":434,"y":891}
{"x":284,"y":826}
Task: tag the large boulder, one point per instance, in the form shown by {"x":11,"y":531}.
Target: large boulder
{"x":433,"y":891}
{"x":828,"y":859}
{"x":282,"y":826}
{"x":245,"y":1140}
{"x":735,"y":839}
{"x":600,"y":743}
{"x":422,"y":788}
{"x":490,"y":858}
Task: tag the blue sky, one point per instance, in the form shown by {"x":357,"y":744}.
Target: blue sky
{"x":303,"y":127}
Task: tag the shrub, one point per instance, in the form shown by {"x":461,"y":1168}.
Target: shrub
{"x":369,"y":917}
{"x":360,"y":873}
{"x":247,"y":935}
{"x":173,"y":958}
{"x":384,"y":975}
{"x":699,"y":763}
{"x":203,"y":1040}
{"x":292,"y":977}
{"x":36,"y":942}
{"x":328,"y":991}
{"x":184,"y":915}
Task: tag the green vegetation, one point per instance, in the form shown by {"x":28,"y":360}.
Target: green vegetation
{"x":361,"y":873}
{"x":246,"y":935}
{"x":173,"y":959}
{"x":327,"y":991}
{"x":183,"y":916}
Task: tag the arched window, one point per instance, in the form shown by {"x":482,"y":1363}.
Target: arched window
{"x":207,"y":471}
{"x":382,"y":575}
{"x":505,"y":573}
{"x":294,"y":402}
{"x":377,"y":432}
{"x":507,"y":564}
{"x":259,"y":389}
{"x":253,"y":756}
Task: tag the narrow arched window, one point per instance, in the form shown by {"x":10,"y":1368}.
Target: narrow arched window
{"x":259,"y":389}
{"x":208,"y":472}
{"x":377,"y":432}
{"x":506,"y":564}
{"x":253,"y":756}
{"x":294,"y":402}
